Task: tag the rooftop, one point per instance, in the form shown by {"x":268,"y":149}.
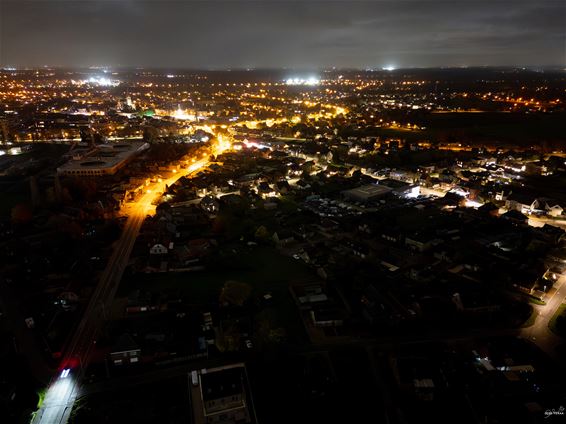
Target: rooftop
{"x":367,"y":192}
{"x":105,"y":158}
{"x":216,"y":385}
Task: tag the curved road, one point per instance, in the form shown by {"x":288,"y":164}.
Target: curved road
{"x":539,"y":333}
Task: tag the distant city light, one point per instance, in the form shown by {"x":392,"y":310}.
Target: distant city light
{"x":182,"y":115}
{"x":11,"y":151}
{"x":303,"y":81}
{"x":389,"y":68}
{"x":102,"y":82}
{"x":250,"y":144}
{"x":472,"y":204}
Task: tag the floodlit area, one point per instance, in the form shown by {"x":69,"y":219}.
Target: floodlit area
{"x":99,"y":81}
{"x":58,"y":400}
{"x":144,"y":205}
{"x":303,"y":81}
{"x":183,"y":115}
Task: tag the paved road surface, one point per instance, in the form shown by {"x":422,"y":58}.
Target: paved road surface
{"x":62,"y":392}
{"x":539,"y":333}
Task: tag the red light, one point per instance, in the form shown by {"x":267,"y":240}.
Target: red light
{"x":69,"y":363}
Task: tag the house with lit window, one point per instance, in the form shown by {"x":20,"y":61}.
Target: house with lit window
{"x":523,"y":203}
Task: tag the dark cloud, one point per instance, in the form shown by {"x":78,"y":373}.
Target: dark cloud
{"x":222,"y":34}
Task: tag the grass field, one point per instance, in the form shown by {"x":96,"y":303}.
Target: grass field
{"x":512,"y":128}
{"x":552,"y":324}
{"x":531,"y":320}
{"x":263,"y":268}
{"x":165,"y":401}
{"x":9,"y":200}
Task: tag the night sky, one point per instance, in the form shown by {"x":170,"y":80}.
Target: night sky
{"x":282,"y":34}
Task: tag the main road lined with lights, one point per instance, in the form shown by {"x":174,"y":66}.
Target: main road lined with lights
{"x":62,"y":392}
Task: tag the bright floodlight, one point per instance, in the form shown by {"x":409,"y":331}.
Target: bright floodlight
{"x":389,"y":68}
{"x":65,"y":373}
{"x":103,"y":82}
{"x":182,"y":115}
{"x":302,"y":81}
{"x":312,"y":81}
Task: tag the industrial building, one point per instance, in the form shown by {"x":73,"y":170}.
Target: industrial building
{"x":366,"y":193}
{"x":105,"y":159}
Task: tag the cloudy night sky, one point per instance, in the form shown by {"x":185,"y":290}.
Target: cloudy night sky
{"x":276,"y":34}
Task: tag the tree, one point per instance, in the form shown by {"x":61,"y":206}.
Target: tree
{"x":21,"y":214}
{"x":235,"y":293}
{"x":262,"y":233}
{"x":34,"y":189}
{"x":150,"y":134}
{"x":561,"y":325}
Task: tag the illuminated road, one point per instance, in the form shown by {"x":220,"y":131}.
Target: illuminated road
{"x":539,"y":221}
{"x":62,"y":392}
{"x":539,"y":332}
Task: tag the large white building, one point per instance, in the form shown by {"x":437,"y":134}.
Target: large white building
{"x":222,"y":395}
{"x":105,"y":159}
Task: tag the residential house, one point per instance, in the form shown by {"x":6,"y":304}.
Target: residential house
{"x":524,"y":203}
{"x":221,"y":396}
{"x":158,"y":249}
{"x":125,"y":351}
